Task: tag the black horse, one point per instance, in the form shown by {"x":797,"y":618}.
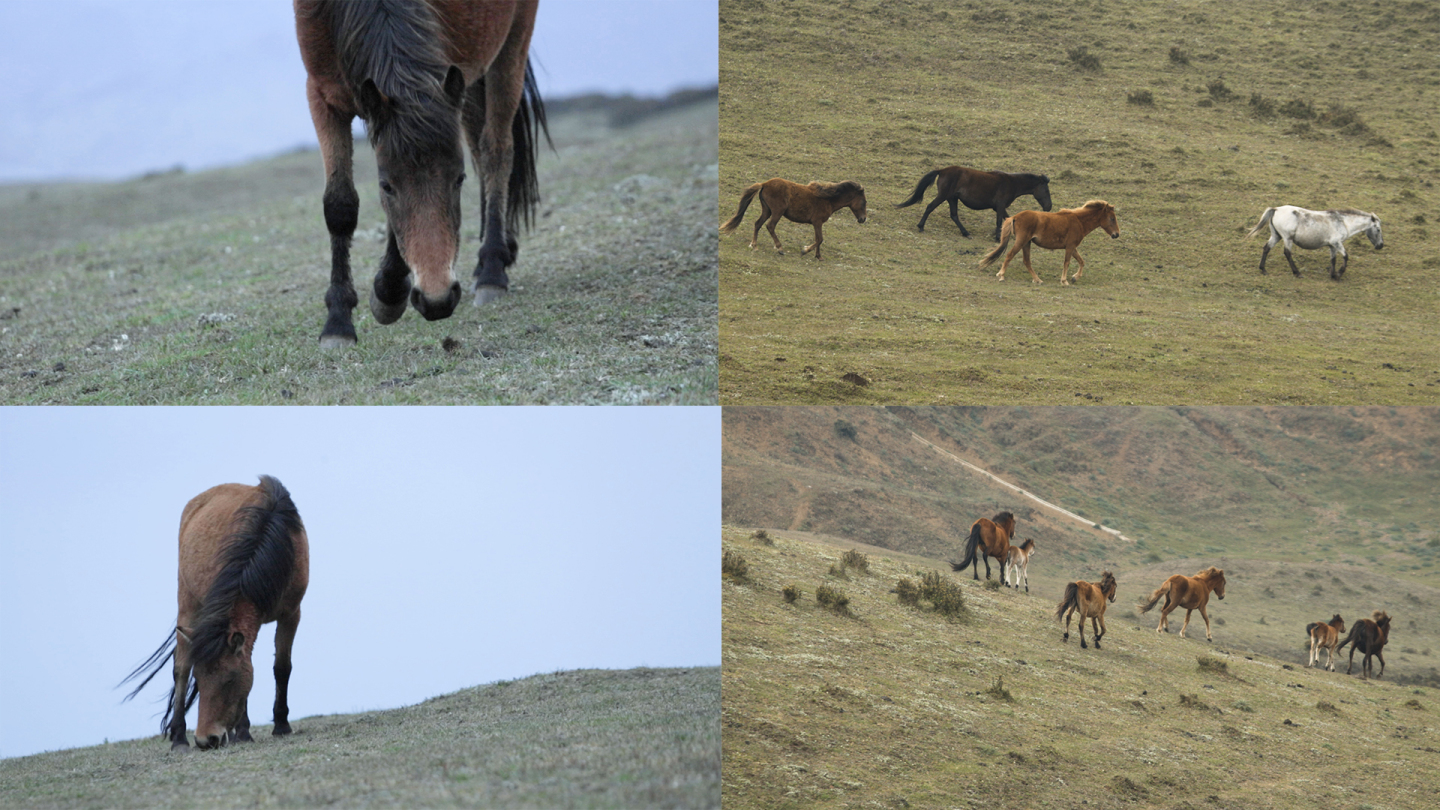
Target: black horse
{"x":979,"y":190}
{"x":1369,"y":637}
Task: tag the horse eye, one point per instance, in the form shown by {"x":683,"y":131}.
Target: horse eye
{"x":459,"y":180}
{"x":386,"y":187}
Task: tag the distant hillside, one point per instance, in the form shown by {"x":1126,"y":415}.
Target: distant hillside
{"x":585,"y":738}
{"x":1348,"y":485}
{"x":894,"y":706}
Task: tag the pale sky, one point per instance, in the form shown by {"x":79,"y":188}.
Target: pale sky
{"x":450,"y":547}
{"x":110,"y":89}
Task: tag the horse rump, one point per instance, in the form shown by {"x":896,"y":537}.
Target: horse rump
{"x":1071,"y":600}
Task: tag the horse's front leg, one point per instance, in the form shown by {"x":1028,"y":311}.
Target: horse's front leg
{"x":241,"y":731}
{"x":1099,"y":627}
{"x":176,"y":731}
{"x":1206,"y":616}
{"x":1025,"y":254}
{"x":390,"y":290}
{"x":1344,"y":254}
{"x":342,"y":211}
{"x":285,"y":628}
{"x":1081,"y":265}
{"x":816,"y":246}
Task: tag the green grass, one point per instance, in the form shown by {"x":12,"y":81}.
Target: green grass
{"x":897,"y":708}
{"x":1174,"y":310}
{"x":207,"y":288}
{"x":585,"y":738}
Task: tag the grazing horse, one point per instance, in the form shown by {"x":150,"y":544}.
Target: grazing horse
{"x":244,"y":562}
{"x":1089,"y":598}
{"x":1191,"y":593}
{"x":1062,"y":229}
{"x":1369,"y":637}
{"x":813,"y":204}
{"x":1324,"y":637}
{"x":1019,"y":563}
{"x":979,"y":190}
{"x":988,"y":538}
{"x":1313,"y":230}
{"x":425,"y":75}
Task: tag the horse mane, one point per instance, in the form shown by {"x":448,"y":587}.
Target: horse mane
{"x":258,"y":560}
{"x":1380,"y":617}
{"x":833,"y":191}
{"x":1354,"y":211}
{"x":1002,"y":517}
{"x":399,"y":47}
{"x":1106,"y":576}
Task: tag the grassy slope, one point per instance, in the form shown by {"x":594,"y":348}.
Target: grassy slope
{"x":1316,"y":510}
{"x":613,"y":296}
{"x":1173,"y":311}
{"x":891,"y":708}
{"x":587,"y":738}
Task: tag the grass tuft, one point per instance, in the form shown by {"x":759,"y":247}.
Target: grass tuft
{"x":792,"y":593}
{"x":1178,"y":56}
{"x":998,"y":691}
{"x":1141,"y":98}
{"x":1213,"y":666}
{"x":856,"y":560}
{"x":734,"y":566}
{"x":908,"y":592}
{"x":1081,"y":57}
{"x":763,"y":537}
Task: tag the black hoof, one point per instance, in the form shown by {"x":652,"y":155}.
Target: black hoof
{"x":242,"y":735}
{"x":281,"y":729}
{"x":180,"y":745}
{"x":386,"y":313}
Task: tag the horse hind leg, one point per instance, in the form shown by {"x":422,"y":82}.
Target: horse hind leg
{"x":1291,"y":259}
{"x":955,"y":216}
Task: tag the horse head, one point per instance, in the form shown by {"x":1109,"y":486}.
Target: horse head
{"x":1042,"y":193}
{"x":857,"y":205}
{"x":224,"y":685}
{"x":1217,"y":581}
{"x":1373,"y":231}
{"x":1338,"y":623}
{"x":421,"y":167}
{"x":1107,"y":585}
{"x":1109,"y":223}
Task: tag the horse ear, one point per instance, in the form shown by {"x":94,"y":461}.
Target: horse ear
{"x":454,"y":85}
{"x":236,"y":641}
{"x":373,"y":103}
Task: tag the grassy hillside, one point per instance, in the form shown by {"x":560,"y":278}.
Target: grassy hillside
{"x":207,"y":288}
{"x":1192,"y":118}
{"x":895,"y":706}
{"x":587,"y":738}
{"x":1349,"y":486}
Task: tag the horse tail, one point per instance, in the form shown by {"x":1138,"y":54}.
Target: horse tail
{"x":1354,"y":629}
{"x":920,"y":189}
{"x":745,"y":199}
{"x":1264,"y":221}
{"x":1072,"y":599}
{"x":1155,"y":597}
{"x":971,"y":543}
{"x":1007,"y":232}
{"x":523,"y":193}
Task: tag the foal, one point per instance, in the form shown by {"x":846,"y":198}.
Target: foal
{"x":1019,"y":564}
{"x":1324,"y":637}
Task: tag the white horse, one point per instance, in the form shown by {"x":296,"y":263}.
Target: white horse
{"x":1316,"y":229}
{"x":1019,"y":564}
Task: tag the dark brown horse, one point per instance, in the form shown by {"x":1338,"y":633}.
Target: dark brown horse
{"x":813,"y":204}
{"x":1089,"y":599}
{"x":244,"y":562}
{"x":1191,"y":593}
{"x":1369,"y":637}
{"x":1324,"y":636}
{"x":426,"y":76}
{"x":1061,"y":230}
{"x":988,"y":538}
{"x":979,"y":190}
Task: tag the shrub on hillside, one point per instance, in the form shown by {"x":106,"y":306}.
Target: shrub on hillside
{"x":998,"y":691}
{"x":833,"y":599}
{"x":941,"y":592}
{"x":1261,"y":107}
{"x":1082,"y":58}
{"x":1219,"y":91}
{"x":908,"y":592}
{"x":856,"y":560}
{"x":844,"y":429}
{"x":1141,"y":98}
{"x":791,"y":593}
{"x":1298,"y":108}
{"x":763,"y":537}
{"x":1178,"y":57}
{"x":734,"y":566}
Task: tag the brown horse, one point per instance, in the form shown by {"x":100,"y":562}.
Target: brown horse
{"x":1089,"y":598}
{"x":978,"y":190}
{"x":1324,"y":636}
{"x":1369,"y":637}
{"x":1191,"y":593}
{"x":1063,"y":229}
{"x":988,"y":538}
{"x":813,"y":203}
{"x":425,"y":76}
{"x":244,"y":562}
{"x":1018,"y":560}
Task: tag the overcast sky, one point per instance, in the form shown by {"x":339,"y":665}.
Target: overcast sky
{"x":450,"y":547}
{"x":109,"y":89}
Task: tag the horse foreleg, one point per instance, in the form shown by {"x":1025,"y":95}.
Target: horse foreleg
{"x":816,"y":246}
{"x":1098,"y":625}
{"x":285,"y":628}
{"x":342,"y":211}
{"x":1344,"y":254}
{"x":176,"y":732}
{"x":1381,"y":656}
{"x":241,"y":732}
{"x":1206,"y":616}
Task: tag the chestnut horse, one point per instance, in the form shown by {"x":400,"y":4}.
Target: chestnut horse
{"x":1018,"y":561}
{"x":988,"y":538}
{"x":979,"y":190}
{"x":1063,"y":229}
{"x":1191,"y":593}
{"x":425,"y":75}
{"x":1324,"y":637}
{"x":1089,"y":599}
{"x":1369,"y":637}
{"x":244,"y":562}
{"x":813,"y":204}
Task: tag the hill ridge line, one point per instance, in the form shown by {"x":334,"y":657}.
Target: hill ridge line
{"x":1002,"y":482}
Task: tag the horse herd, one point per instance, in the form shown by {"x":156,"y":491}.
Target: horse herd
{"x":814,"y":203}
{"x":990,"y":537}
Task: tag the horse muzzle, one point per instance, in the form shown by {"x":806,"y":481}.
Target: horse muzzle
{"x":1115,"y":235}
{"x":432,"y":309}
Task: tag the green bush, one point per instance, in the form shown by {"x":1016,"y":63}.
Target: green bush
{"x":856,"y":560}
{"x":908,"y":592}
{"x":942,"y":592}
{"x":763,"y":537}
{"x":734,"y":566}
{"x":1082,"y":58}
{"x":791,"y":593}
{"x":833,"y":599}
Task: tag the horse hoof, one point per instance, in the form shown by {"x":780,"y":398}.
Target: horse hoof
{"x":336,"y":341}
{"x":180,"y":745}
{"x":281,"y":729}
{"x":486,"y":293}
{"x":384,"y":313}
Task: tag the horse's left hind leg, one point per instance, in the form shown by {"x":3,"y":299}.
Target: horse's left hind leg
{"x":955,"y":215}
